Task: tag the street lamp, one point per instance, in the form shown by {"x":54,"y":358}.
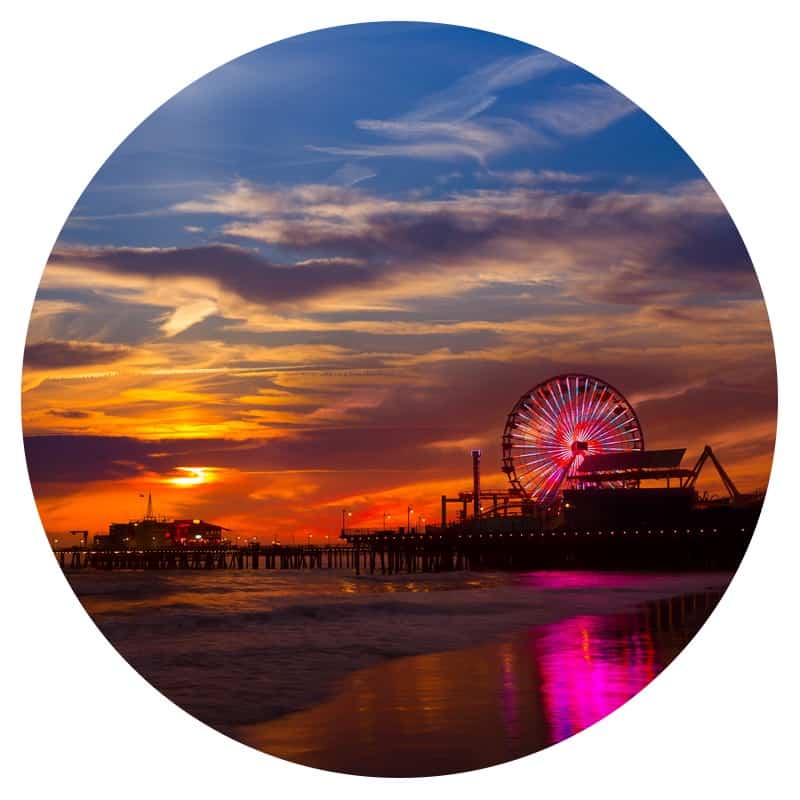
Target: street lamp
{"x":385,"y":517}
{"x":422,"y":522}
{"x":345,"y":514}
{"x":410,"y":511}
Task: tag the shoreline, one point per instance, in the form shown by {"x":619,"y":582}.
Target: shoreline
{"x":436,"y":713}
{"x":248,"y":651}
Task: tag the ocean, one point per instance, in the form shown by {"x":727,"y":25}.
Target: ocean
{"x":398,"y":676}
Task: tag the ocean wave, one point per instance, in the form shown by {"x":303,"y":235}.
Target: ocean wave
{"x":234,"y":652}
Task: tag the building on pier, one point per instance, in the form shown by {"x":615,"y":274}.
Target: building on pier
{"x":146,"y":533}
{"x":152,"y":531}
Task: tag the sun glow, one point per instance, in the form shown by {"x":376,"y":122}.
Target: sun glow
{"x":191,"y":476}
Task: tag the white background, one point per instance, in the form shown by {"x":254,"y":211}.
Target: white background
{"x":79,"y":76}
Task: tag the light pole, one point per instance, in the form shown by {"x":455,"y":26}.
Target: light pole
{"x":410,"y":511}
{"x":385,"y":517}
{"x":345,"y":514}
{"x":422,"y":522}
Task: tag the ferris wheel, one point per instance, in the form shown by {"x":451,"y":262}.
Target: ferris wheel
{"x":559,"y":422}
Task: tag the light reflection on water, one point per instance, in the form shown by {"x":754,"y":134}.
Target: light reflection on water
{"x":449,"y":712}
{"x":399,"y":675}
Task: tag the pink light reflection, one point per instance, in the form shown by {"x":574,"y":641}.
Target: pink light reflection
{"x":589,"y":666}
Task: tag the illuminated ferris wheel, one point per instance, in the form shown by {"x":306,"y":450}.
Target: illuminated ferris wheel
{"x":559,"y":422}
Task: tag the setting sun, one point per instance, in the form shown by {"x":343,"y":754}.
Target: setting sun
{"x":192,"y":476}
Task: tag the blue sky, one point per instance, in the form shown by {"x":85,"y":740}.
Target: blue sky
{"x":294,"y":113}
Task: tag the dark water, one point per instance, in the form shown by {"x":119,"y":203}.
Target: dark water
{"x":399,"y":677}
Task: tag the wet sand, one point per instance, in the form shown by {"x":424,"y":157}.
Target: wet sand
{"x":466,"y":709}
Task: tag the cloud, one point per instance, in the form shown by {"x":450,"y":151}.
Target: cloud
{"x":477,"y":91}
{"x":350,"y":174}
{"x":242,"y":272}
{"x":583,"y":110}
{"x":184,"y":316}
{"x":454,"y":123}
{"x":352,"y":248}
{"x":55,"y":354}
{"x":440,"y":140}
{"x":628,"y":247}
{"x":450,"y":123}
{"x":531,"y":177}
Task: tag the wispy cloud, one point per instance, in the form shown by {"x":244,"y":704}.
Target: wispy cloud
{"x":533,"y":177}
{"x":477,"y":91}
{"x":350,"y":174}
{"x":439,"y":140}
{"x":453,"y":123}
{"x":188,"y":314}
{"x":450,"y":123}
{"x":583,"y":110}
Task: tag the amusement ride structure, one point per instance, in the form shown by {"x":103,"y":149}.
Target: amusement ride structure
{"x":574,"y":442}
{"x":556,"y":425}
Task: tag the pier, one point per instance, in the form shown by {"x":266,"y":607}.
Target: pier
{"x":442,"y":550}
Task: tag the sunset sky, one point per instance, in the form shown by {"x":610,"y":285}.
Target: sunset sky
{"x":320,"y":275}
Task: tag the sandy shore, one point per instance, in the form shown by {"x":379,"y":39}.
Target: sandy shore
{"x":459,"y":710}
{"x":412,"y":671}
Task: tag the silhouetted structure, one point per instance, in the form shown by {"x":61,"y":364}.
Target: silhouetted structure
{"x":153,"y":532}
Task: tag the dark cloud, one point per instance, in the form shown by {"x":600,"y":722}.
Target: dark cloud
{"x":54,"y":354}
{"x":86,"y":458}
{"x":708,"y":411}
{"x":68,"y":414}
{"x":684,"y":239}
{"x":243,"y":272}
{"x":632,"y":243}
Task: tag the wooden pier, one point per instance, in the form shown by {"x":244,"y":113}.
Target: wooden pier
{"x":203,"y":558}
{"x":392,"y":553}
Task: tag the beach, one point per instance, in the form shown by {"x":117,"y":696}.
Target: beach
{"x":398,"y":676}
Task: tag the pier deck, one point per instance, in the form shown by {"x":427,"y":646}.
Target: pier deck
{"x":391,"y":553}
